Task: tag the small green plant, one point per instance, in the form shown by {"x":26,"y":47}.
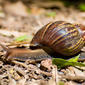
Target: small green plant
{"x":21,"y":38}
{"x":51,"y":14}
{"x":82,"y":7}
{"x":63,"y":63}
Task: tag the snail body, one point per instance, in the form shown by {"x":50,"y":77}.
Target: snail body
{"x":60,"y":36}
{"x":22,"y":54}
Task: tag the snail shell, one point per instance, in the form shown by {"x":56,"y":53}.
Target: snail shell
{"x":62,"y":37}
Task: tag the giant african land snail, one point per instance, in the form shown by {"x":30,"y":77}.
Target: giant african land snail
{"x":60,"y":37}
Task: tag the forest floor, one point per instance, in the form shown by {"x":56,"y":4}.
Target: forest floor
{"x":18,"y":19}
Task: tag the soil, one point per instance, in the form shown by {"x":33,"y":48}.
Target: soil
{"x":21,"y":18}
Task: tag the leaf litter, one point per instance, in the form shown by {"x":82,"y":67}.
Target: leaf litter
{"x":14,"y":25}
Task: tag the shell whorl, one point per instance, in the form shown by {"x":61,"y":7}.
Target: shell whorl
{"x":64,"y":38}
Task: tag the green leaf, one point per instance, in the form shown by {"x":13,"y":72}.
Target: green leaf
{"x":63,"y":63}
{"x":75,"y":59}
{"x":21,"y":38}
{"x":82,"y":7}
{"x":51,"y":14}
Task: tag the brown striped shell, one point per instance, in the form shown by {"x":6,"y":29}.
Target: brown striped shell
{"x":64,"y":38}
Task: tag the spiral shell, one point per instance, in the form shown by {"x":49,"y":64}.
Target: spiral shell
{"x":63,"y":37}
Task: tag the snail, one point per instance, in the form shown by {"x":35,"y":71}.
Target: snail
{"x":58,"y":37}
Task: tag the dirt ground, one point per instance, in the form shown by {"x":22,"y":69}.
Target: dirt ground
{"x":18,"y":19}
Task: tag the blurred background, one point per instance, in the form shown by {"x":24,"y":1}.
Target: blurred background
{"x":26,"y":17}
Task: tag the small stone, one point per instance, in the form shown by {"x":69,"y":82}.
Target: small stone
{"x":46,"y":64}
{"x":16,"y":9}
